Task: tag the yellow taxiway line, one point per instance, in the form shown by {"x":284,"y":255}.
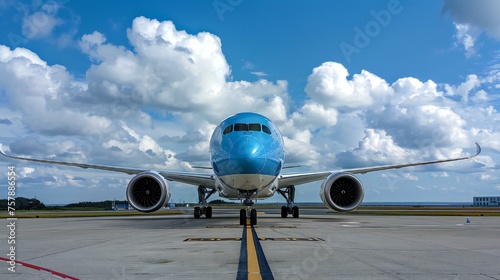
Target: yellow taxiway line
{"x":252,"y":261}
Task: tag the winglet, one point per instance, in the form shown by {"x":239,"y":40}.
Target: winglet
{"x":291,"y":166}
{"x":1,"y":150}
{"x":200,"y":167}
{"x":4,"y":153}
{"x":478,"y":150}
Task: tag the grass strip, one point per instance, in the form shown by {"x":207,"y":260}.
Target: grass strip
{"x":72,"y":214}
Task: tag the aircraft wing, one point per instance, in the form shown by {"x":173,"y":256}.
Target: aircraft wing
{"x":302,"y":178}
{"x":205,"y":179}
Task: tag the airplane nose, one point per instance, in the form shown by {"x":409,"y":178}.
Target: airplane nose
{"x":247,"y":156}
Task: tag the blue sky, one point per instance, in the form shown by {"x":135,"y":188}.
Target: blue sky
{"x":349,"y":83}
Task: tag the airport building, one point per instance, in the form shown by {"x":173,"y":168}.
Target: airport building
{"x":486,"y":201}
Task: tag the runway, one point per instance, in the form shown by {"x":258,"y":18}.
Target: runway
{"x":319,"y":245}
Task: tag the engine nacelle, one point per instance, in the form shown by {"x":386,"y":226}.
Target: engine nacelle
{"x":342,"y":192}
{"x":148,"y":191}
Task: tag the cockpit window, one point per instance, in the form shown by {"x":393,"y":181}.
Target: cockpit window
{"x":247,"y":127}
{"x":228,"y":129}
{"x":240,"y":127}
{"x":266,"y":129}
{"x":254,"y":127}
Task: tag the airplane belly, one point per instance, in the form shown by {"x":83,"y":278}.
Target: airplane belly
{"x":247,"y":182}
{"x":230,"y":186}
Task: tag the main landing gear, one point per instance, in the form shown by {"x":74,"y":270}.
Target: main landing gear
{"x":203,"y":209}
{"x":289,"y":195}
{"x":248,"y":214}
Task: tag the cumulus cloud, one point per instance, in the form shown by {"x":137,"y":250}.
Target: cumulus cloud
{"x":376,"y":148}
{"x":312,"y":116}
{"x":466,"y":36}
{"x":41,"y":92}
{"x":155,"y":105}
{"x":89,"y":43}
{"x":181,"y":75}
{"x":413,"y":113}
{"x":39,"y":25}
{"x":329,"y":85}
{"x":472,"y":18}
{"x":50,"y":21}
{"x":176,"y":71}
{"x":408,"y":120}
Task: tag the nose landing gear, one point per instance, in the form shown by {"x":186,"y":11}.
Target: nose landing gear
{"x":251,"y":217}
{"x":248,"y":214}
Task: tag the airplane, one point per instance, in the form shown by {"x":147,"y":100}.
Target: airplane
{"x":247,"y":160}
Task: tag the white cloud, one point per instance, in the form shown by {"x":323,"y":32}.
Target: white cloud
{"x":465,"y":88}
{"x":328,"y":85}
{"x":178,"y":72}
{"x":480,"y":96}
{"x":410,"y":177}
{"x":487,"y":177}
{"x":156,"y":104}
{"x":376,"y":148}
{"x":409,"y":120}
{"x":259,"y":74}
{"x":472,"y":18}
{"x":248,"y":65}
{"x":466,"y":36}
{"x":39,"y":25}
{"x":301,"y":151}
{"x":26,"y":171}
{"x":41,"y":92}
{"x":442,"y":174}
{"x":89,"y":43}
{"x":313,"y":116}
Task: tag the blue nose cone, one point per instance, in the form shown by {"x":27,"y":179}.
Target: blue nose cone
{"x":247,"y":156}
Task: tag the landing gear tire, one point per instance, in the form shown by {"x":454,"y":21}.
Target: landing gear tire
{"x":253,"y":217}
{"x":243,"y":217}
{"x":203,"y":194}
{"x":284,"y":211}
{"x":208,"y":212}
{"x":197,"y":212}
{"x":295,"y":211}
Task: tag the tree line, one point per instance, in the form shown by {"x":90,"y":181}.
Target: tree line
{"x":22,"y":203}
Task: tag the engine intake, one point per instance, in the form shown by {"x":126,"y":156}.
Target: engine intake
{"x":148,"y":191}
{"x":342,"y":192}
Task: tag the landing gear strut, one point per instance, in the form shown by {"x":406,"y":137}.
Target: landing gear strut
{"x":203,"y":209}
{"x":250,"y":214}
{"x":289,"y":195}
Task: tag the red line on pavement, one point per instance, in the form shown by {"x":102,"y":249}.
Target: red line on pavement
{"x":39,"y":268}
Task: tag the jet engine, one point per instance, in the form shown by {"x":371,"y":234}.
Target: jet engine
{"x":148,"y":191}
{"x":342,"y":192}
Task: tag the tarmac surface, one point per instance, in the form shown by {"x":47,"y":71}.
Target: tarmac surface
{"x":318,"y":245}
